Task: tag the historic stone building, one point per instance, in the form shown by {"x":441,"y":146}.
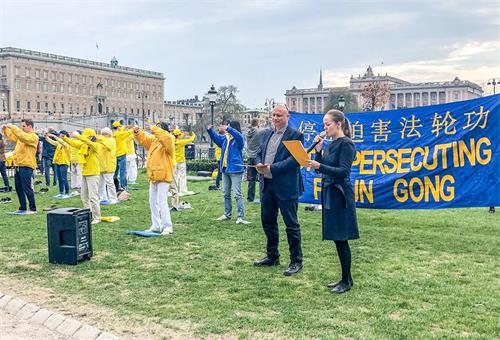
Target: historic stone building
{"x":183,"y":113}
{"x":309,"y":100}
{"x":36,"y":85}
{"x":403,"y":94}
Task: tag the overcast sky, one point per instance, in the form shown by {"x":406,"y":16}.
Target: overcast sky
{"x":266,"y":47}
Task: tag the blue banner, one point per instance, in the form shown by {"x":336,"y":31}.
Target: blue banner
{"x":431,"y":157}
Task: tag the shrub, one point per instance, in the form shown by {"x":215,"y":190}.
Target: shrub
{"x":201,"y":165}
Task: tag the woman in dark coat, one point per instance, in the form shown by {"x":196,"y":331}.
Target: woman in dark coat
{"x":334,"y":162}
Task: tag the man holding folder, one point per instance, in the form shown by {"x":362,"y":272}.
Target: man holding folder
{"x":281,"y":186}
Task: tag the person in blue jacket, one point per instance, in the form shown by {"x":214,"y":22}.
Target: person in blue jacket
{"x":231,"y":167}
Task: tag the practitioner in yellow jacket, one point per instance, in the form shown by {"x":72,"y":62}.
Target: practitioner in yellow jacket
{"x":159,"y":169}
{"x":75,"y":166}
{"x":180,"y":161}
{"x":121,"y":135}
{"x":89,"y":158}
{"x":61,"y":160}
{"x":107,"y":158}
{"x":24,"y":162}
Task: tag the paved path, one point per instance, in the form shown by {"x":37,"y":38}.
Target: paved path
{"x":11,"y":328}
{"x":22,"y":320}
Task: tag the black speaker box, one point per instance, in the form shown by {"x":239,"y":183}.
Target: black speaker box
{"x":69,"y":234}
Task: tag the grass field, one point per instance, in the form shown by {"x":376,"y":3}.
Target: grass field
{"x":417,"y":274}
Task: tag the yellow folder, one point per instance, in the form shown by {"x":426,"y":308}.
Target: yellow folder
{"x":297,"y":150}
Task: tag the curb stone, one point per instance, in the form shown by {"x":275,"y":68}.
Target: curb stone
{"x":53,"y":321}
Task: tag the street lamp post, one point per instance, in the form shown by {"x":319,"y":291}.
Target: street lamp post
{"x":494,"y":82}
{"x":143,"y":95}
{"x":212,"y":97}
{"x":341,"y":101}
{"x":269,"y":104}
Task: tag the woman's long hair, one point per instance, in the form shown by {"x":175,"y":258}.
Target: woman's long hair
{"x":338,"y":116}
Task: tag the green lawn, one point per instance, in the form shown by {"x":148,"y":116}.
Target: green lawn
{"x":417,"y":274}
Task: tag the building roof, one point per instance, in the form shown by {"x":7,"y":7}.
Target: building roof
{"x":49,"y":57}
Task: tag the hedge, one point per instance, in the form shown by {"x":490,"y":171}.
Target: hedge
{"x":201,"y":165}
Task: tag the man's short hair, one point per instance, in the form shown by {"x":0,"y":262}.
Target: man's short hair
{"x":255,"y":122}
{"x":28,"y":122}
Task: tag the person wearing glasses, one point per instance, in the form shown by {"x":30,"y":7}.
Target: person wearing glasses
{"x":334,"y":162}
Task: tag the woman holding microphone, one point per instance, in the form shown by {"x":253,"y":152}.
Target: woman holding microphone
{"x":339,"y":222}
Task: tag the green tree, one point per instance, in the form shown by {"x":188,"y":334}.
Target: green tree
{"x":351,"y":104}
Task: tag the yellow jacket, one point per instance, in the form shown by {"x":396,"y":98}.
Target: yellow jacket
{"x":180,"y":148}
{"x":130,"y":145}
{"x":218,"y":152}
{"x":26,"y":145}
{"x":62,"y":153}
{"x":74,"y":154}
{"x":160,"y":161}
{"x":88,"y":154}
{"x":107,"y":154}
{"x":121,"y":137}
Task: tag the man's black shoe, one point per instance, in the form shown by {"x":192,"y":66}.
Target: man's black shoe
{"x":341,"y":288}
{"x":266,"y":262}
{"x":333,"y":284}
{"x":294,"y":268}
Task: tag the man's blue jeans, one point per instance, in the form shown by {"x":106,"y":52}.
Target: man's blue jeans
{"x":121,"y":166}
{"x":233,"y":181}
{"x":62,"y":176}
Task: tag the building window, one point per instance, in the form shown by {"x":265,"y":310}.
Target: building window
{"x":28,"y":106}
{"x":46,"y":107}
{"x":53,"y":76}
{"x":77,"y":89}
{"x":69,"y":89}
{"x":62,"y":107}
{"x":46,"y":87}
{"x":17,"y":71}
{"x":61,"y":76}
{"x":37,"y":74}
{"x":107,"y":108}
{"x":18,"y":105}
{"x":85,"y":79}
{"x":4,"y":70}
{"x":37,"y":106}
{"x":37,"y":86}
{"x":27,"y":72}
{"x":53,"y":87}
{"x":27,"y":84}
{"x":45,"y":74}
{"x":70,"y":77}
{"x":18,"y":84}
{"x":54,"y":107}
{"x":62,"y":88}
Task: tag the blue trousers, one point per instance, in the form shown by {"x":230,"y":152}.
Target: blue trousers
{"x":232,"y":182}
{"x":62,"y":177}
{"x":3,"y":170}
{"x":47,"y":165}
{"x":121,"y":166}
{"x":23,"y":179}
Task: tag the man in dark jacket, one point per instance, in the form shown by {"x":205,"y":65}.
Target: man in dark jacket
{"x":254,"y":139}
{"x":281,"y":186}
{"x":47,"y":156}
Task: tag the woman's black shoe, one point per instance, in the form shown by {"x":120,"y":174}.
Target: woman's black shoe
{"x":333,"y":284}
{"x":341,"y":288}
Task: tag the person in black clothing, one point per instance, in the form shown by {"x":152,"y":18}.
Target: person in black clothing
{"x":334,"y":162}
{"x":254,"y":139}
{"x":48,"y":151}
{"x":3,"y":168}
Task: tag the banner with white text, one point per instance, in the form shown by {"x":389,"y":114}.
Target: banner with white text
{"x":431,"y":157}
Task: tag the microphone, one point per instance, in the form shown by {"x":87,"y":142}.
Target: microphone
{"x":313,"y":145}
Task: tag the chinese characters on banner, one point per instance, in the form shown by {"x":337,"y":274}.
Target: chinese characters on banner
{"x":438,"y":156}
